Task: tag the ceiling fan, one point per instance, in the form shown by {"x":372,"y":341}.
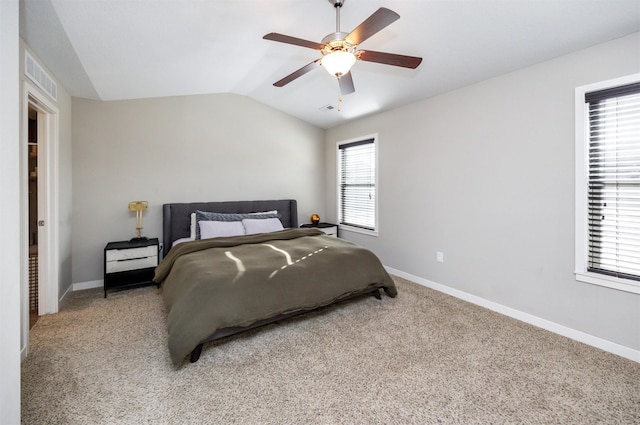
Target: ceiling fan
{"x":340,"y":50}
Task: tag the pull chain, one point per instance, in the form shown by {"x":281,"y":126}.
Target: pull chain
{"x":339,"y":96}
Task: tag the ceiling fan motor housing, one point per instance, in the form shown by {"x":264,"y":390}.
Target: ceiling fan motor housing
{"x":337,"y":41}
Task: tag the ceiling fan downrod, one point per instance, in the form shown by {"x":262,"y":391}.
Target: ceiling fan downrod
{"x":338,"y":6}
{"x":337,"y":40}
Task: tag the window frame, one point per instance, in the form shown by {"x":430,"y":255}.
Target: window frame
{"x":581,"y":189}
{"x":346,"y":227}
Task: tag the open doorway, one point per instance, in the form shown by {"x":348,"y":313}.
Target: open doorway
{"x":32,"y":173}
{"x":39,"y":208}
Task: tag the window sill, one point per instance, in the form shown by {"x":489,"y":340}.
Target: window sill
{"x":625,"y":285}
{"x":346,"y":228}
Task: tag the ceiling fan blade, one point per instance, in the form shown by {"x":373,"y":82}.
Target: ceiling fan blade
{"x":346,"y":83}
{"x":289,"y":78}
{"x":389,"y":58}
{"x":374,"y":23}
{"x":274,"y":36}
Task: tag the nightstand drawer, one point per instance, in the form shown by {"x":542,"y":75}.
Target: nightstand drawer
{"x":331,"y":231}
{"x":132,"y":253}
{"x":328,"y":228}
{"x":131,"y":264}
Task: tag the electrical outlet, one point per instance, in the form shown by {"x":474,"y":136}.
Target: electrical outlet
{"x":440,"y":257}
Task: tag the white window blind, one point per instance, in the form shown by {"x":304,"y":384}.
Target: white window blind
{"x":614,"y":181}
{"x":357,"y":184}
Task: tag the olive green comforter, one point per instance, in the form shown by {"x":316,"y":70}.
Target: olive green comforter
{"x":217,"y":283}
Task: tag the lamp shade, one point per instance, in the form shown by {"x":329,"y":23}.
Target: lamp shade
{"x":138,"y":205}
{"x":338,"y":63}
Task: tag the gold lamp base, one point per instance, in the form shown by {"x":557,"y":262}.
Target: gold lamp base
{"x":139,"y":239}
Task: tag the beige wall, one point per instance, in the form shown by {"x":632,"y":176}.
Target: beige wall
{"x":182,"y":149}
{"x":485,"y":174}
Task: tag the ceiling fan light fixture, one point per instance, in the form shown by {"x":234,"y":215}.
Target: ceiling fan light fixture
{"x":338,"y":62}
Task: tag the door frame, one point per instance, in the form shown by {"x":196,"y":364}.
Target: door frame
{"x":48,"y":238}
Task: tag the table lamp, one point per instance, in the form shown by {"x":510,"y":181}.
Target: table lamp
{"x":138,"y":207}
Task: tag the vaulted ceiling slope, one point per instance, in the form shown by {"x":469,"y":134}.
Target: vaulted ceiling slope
{"x":130,"y":49}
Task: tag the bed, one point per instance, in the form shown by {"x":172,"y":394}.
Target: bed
{"x":216,"y":287}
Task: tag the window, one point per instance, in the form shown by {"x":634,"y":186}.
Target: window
{"x":357,"y":193}
{"x":608,"y":184}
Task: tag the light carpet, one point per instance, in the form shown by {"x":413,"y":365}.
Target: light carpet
{"x":423,"y":357}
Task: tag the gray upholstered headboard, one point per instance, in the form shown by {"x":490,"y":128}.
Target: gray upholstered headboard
{"x":176,"y":218}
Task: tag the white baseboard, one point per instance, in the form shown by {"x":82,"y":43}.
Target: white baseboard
{"x":603,"y":344}
{"x":88,"y":285}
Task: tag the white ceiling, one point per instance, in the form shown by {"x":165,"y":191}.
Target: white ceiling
{"x":130,"y":49}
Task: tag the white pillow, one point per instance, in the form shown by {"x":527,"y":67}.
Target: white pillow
{"x":265,"y":225}
{"x":192,"y":228}
{"x":181,"y":240}
{"x":216,"y":229}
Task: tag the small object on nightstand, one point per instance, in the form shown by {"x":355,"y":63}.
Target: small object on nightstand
{"x":315,"y":219}
{"x":130,"y":263}
{"x":329,"y":228}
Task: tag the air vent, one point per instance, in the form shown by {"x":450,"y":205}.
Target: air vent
{"x":326,"y":108}
{"x":39,"y":76}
